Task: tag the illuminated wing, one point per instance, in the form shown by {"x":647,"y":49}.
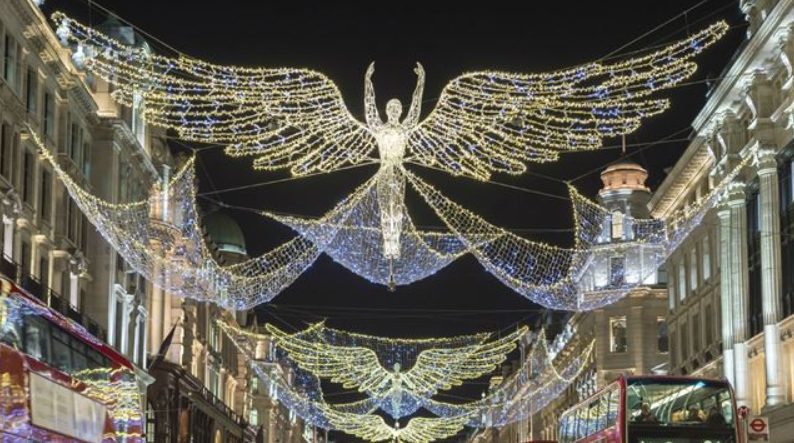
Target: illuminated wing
{"x":488,"y":122}
{"x":374,"y":428}
{"x":287,"y":118}
{"x":366,"y":426}
{"x":441,"y":369}
{"x":424,"y":430}
{"x":352,"y":366}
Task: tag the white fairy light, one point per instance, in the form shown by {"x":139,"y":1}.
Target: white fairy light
{"x":484,"y":122}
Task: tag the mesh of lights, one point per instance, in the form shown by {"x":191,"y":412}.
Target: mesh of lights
{"x":370,"y":232}
{"x":165,"y":243}
{"x":484,"y":122}
{"x":397,"y":390}
{"x":547,"y":371}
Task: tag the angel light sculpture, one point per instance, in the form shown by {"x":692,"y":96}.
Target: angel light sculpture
{"x":483,"y":123}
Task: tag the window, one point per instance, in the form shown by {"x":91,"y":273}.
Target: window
{"x":24,"y":257}
{"x":693,"y":268}
{"x":696,"y":332}
{"x":684,"y":344}
{"x":151,"y":420}
{"x":617,"y":225}
{"x":671,"y":298}
{"x":87,"y":160}
{"x":37,"y":338}
{"x":10,"y":61}
{"x":617,"y":334}
{"x":49,"y":114}
{"x":709,"y":325}
{"x":705,"y":251}
{"x":755,"y":311}
{"x":6,"y":150}
{"x":118,"y":325}
{"x":75,"y":143}
{"x":45,"y":203}
{"x":138,"y":124}
{"x":28,"y":173}
{"x":32,"y":91}
{"x":662,"y":340}
{"x":61,"y":350}
{"x":253,"y":417}
{"x":73,"y":219}
{"x":681,"y":280}
{"x":617,"y":271}
{"x":44,"y":269}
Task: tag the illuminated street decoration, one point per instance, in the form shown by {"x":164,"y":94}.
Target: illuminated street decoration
{"x":274,"y":114}
{"x":543,"y":376}
{"x":167,"y":246}
{"x":413,"y":371}
{"x":296,"y":119}
{"x":545,"y":373}
{"x":374,"y":428}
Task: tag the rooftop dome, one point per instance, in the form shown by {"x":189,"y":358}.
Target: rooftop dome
{"x":114,"y":28}
{"x":225,"y":233}
{"x":624,"y":176}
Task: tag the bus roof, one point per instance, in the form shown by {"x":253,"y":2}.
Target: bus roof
{"x":74,"y":329}
{"x":623,"y":380}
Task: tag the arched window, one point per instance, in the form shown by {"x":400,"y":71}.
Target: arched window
{"x":617,"y":225}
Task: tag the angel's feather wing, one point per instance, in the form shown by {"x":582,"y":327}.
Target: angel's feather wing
{"x":287,"y":118}
{"x":353,"y":367}
{"x":424,"y":430}
{"x":488,"y":122}
{"x":366,"y":426}
{"x":441,"y":369}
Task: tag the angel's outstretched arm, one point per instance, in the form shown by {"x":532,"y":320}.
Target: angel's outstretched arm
{"x":412,"y":119}
{"x":370,"y":106}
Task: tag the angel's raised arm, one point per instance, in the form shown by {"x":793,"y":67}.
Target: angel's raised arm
{"x":412,"y":118}
{"x":370,"y":105}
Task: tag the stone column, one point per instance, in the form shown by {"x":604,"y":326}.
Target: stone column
{"x":769,"y":205}
{"x":739,"y":289}
{"x":726,"y":315}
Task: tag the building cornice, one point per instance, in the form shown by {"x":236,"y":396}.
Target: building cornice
{"x":725,"y":98}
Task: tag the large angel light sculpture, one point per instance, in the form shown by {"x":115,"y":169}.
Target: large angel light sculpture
{"x":484,"y":122}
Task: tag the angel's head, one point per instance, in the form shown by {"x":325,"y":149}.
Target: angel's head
{"x":394,"y":109}
{"x":397,"y":365}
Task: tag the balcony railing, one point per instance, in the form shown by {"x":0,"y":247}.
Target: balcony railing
{"x":51,"y":298}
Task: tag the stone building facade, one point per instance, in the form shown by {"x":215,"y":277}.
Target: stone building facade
{"x":731,"y":292}
{"x":51,"y":249}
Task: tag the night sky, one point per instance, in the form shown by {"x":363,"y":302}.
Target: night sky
{"x":340,"y":39}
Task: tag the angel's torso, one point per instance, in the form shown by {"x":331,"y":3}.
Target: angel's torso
{"x":392,"y":140}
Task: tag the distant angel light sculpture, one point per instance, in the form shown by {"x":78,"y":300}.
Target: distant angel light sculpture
{"x":484,"y":122}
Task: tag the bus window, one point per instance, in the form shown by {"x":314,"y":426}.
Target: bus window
{"x":61,"y":351}
{"x":614,"y":407}
{"x":37,"y":338}
{"x":79,"y":360}
{"x":603,"y":411}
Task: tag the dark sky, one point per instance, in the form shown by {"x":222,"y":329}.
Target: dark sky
{"x":340,"y":39}
{"x":449,"y":38}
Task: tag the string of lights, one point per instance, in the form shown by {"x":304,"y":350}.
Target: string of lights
{"x":547,"y":371}
{"x":296,"y":119}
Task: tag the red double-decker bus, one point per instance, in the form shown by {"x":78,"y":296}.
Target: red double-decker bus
{"x":58,"y":383}
{"x":654,"y":409}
